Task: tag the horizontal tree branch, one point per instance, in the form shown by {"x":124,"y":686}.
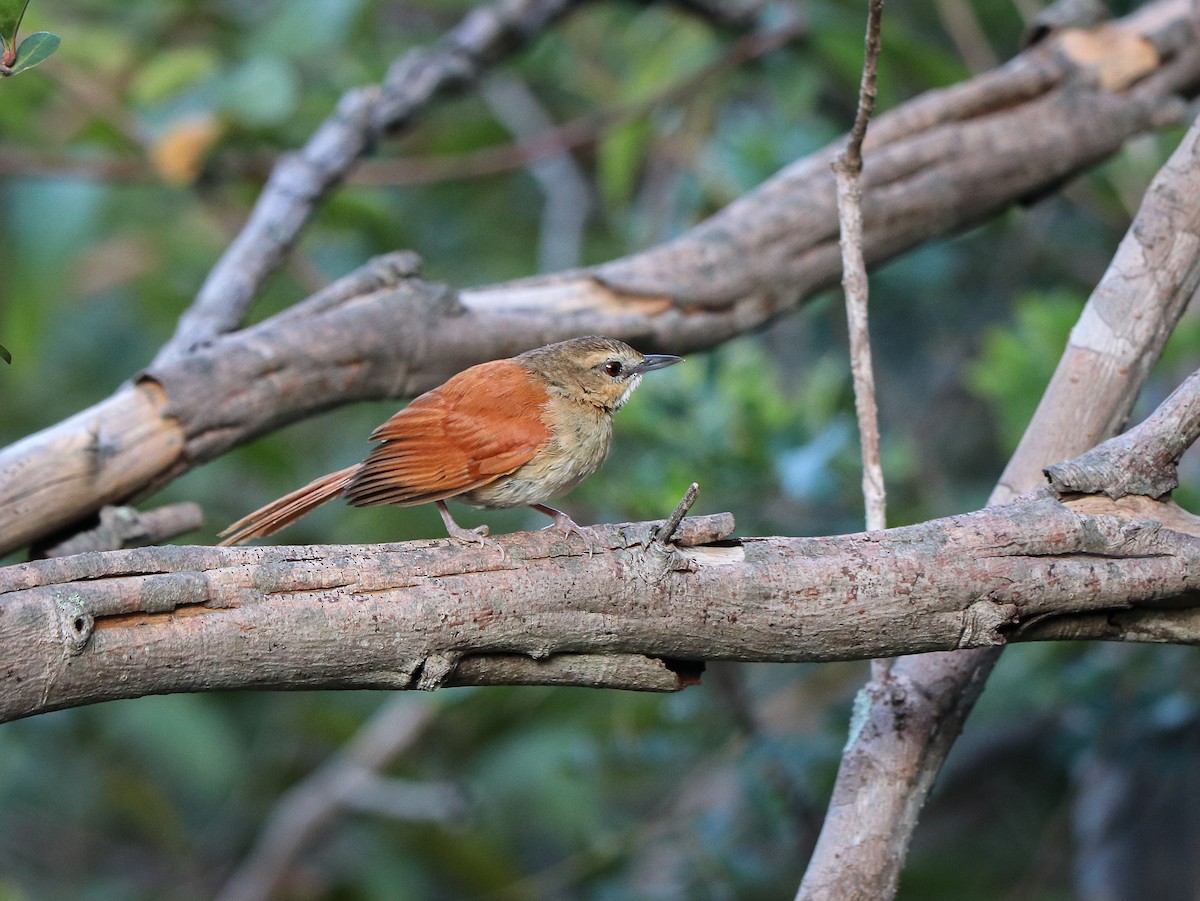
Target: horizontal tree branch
{"x":944,"y":161}
{"x":425,"y":614}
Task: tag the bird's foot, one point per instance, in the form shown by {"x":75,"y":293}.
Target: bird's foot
{"x":477,"y":535}
{"x":567,"y":526}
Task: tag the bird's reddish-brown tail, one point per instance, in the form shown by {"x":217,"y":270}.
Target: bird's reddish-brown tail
{"x":274,"y":516}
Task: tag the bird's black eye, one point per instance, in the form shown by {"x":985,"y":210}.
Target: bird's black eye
{"x":613,"y":368}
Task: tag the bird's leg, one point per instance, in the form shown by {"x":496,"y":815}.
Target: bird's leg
{"x":467,"y":536}
{"x":566,"y":524}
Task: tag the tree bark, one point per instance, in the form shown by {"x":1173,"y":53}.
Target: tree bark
{"x":118,"y":624}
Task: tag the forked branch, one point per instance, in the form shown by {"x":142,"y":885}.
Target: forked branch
{"x":906,"y":734}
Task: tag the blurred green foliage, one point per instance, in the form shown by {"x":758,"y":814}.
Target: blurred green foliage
{"x":1017,"y":357}
{"x":130,"y":160}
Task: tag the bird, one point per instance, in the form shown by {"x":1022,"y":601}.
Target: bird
{"x":508,"y":433}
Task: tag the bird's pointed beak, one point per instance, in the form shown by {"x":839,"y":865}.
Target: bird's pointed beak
{"x":656,"y":361}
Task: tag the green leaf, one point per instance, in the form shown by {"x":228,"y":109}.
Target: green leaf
{"x":4,"y":354}
{"x":37,"y":48}
{"x":11,"y":13}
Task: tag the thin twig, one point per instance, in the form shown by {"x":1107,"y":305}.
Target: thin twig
{"x":667,"y":529}
{"x":852,"y":156}
{"x":121,"y":527}
{"x":847,"y":168}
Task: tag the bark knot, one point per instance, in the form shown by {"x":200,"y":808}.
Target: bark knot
{"x":984,"y":623}
{"x":435,"y":670}
{"x":75,"y":624}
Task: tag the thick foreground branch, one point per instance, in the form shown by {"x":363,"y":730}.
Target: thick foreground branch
{"x":946,"y":160}
{"x":638,"y":614}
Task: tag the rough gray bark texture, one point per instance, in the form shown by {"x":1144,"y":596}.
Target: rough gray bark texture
{"x":1142,"y":462}
{"x":637,"y":614}
{"x":944,"y":161}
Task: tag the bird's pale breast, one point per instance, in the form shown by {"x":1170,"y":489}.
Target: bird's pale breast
{"x":581,"y":437}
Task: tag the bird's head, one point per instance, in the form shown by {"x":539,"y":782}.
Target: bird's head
{"x":596,"y":370}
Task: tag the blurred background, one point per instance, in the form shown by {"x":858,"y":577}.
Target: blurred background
{"x":128,"y":162}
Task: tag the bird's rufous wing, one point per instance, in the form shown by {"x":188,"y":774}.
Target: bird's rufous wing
{"x":482,"y":424}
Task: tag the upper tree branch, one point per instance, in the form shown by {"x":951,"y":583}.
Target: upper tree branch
{"x":944,"y":161}
{"x":299,"y":181}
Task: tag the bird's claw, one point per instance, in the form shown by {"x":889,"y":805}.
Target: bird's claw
{"x":568,"y":526}
{"x":478,"y":535}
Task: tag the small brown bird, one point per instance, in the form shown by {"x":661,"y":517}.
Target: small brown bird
{"x":510,"y":433}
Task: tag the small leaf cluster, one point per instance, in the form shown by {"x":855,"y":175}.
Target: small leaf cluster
{"x":16,"y":57}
